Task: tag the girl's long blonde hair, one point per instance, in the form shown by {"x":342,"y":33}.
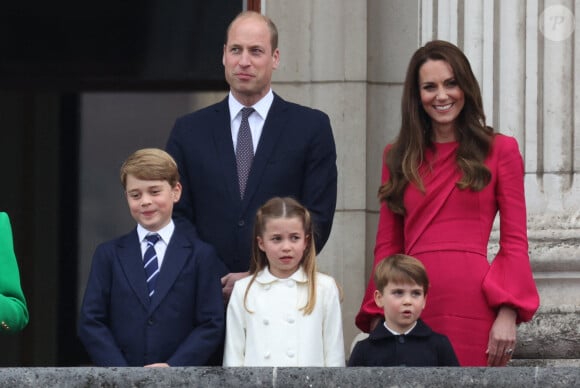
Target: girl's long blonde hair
{"x":286,"y":207}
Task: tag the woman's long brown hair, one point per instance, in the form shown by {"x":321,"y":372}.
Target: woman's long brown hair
{"x":416,"y":134}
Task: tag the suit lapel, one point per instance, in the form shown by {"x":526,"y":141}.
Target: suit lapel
{"x":224,"y":148}
{"x":131,"y":261}
{"x":274,"y":126}
{"x":176,"y":255}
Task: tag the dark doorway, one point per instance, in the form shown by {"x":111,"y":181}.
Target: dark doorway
{"x":54,"y":53}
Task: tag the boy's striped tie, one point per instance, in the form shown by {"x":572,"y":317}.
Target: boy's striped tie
{"x":150,"y":262}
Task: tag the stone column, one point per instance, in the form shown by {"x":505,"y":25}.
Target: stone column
{"x":323,"y":65}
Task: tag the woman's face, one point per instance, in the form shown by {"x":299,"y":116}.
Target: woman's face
{"x":441,"y":97}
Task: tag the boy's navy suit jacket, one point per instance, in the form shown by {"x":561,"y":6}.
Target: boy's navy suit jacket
{"x":182,"y":324}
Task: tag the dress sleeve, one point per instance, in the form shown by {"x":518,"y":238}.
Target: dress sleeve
{"x":389,"y":240}
{"x":13,"y":309}
{"x":509,"y":280}
{"x":235,"y":351}
{"x":333,"y":339}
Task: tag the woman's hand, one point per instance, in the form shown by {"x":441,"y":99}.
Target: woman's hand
{"x":502,"y":337}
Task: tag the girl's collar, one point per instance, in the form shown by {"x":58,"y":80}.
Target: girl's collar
{"x":265,"y":276}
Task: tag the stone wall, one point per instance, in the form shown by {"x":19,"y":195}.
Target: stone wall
{"x":289,"y":377}
{"x":553,"y":334}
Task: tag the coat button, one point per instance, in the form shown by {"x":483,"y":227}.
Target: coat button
{"x":267,"y":355}
{"x":290,"y":353}
{"x":290,"y":319}
{"x":241,"y":223}
{"x":266,"y":322}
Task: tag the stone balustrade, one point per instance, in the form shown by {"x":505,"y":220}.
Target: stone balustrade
{"x":290,"y":377}
{"x":553,"y":333}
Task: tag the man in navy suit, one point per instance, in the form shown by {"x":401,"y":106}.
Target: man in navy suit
{"x":294,"y":151}
{"x":156,"y":303}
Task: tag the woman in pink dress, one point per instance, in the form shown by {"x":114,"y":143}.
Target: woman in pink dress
{"x":444,"y":179}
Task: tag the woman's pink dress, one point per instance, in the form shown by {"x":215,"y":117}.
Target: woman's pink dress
{"x":448,"y":229}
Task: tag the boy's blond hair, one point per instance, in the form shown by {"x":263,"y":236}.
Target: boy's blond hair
{"x":150,"y":164}
{"x":400,"y":268}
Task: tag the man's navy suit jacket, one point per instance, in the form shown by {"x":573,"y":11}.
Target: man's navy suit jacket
{"x":182,"y":324}
{"x":296,"y":157}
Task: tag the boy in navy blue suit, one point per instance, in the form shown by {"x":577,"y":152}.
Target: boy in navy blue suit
{"x":403,"y":339}
{"x":153,"y":297}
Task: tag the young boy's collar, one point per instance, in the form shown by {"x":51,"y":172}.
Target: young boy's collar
{"x":395,"y":333}
{"x":166,"y":232}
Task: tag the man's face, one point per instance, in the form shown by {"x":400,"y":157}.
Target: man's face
{"x":249,"y":60}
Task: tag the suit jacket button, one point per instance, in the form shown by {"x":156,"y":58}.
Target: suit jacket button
{"x":241,"y":223}
{"x":150,"y":322}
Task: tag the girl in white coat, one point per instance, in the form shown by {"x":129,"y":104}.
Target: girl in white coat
{"x":285,"y":313}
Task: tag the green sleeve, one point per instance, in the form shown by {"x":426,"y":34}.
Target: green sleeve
{"x":13,"y":311}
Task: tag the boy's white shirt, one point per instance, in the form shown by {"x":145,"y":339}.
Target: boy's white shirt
{"x":396,"y":333}
{"x":277,"y":333}
{"x":165,"y":233}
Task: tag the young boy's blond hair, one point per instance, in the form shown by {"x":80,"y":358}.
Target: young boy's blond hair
{"x":150,"y":164}
{"x":400,"y":268}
